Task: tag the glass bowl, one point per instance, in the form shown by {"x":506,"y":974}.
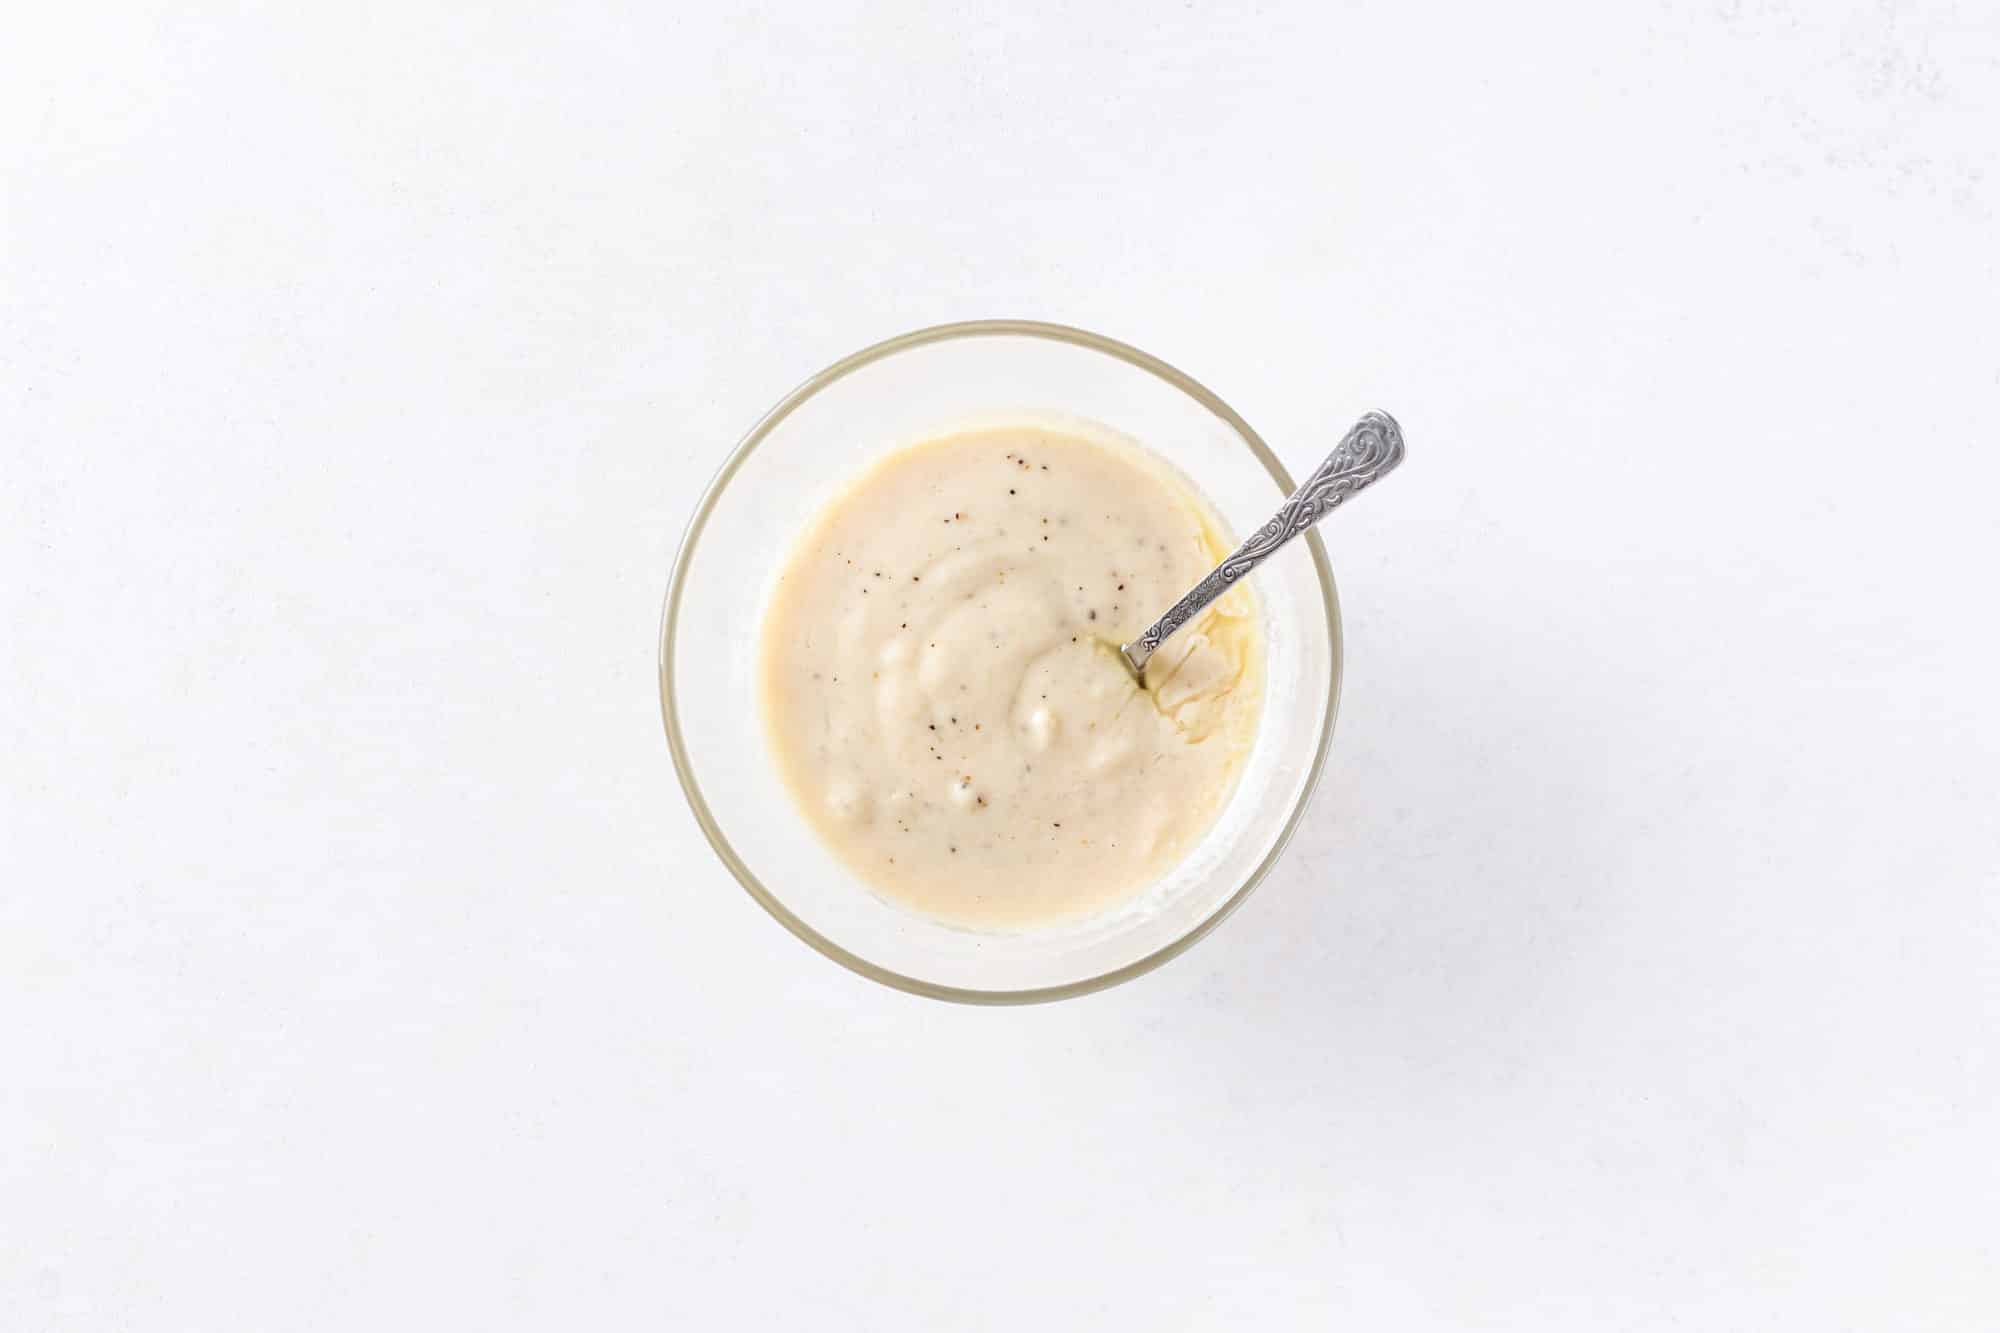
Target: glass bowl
{"x":822,"y":434}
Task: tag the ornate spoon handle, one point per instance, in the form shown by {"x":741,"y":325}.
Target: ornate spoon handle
{"x":1369,"y":451}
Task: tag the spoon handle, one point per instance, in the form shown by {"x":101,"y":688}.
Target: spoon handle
{"x":1369,"y":451}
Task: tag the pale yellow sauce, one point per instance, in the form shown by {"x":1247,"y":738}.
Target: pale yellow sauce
{"x":941,"y":688}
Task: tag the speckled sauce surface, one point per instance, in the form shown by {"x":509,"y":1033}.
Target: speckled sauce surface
{"x":941,"y":687}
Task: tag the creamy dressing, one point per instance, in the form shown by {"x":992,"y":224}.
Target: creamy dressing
{"x":941,"y":685}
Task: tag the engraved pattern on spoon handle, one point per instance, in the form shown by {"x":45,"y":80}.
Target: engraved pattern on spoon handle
{"x":1369,"y":451}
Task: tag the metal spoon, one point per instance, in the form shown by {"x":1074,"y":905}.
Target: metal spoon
{"x":1368,"y":452}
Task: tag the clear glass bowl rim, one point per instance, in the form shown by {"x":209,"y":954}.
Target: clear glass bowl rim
{"x":684,"y":768}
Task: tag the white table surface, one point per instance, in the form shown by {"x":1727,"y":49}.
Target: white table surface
{"x":1638,"y":966}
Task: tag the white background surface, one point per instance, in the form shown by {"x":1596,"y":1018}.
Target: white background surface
{"x":360,"y":967}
